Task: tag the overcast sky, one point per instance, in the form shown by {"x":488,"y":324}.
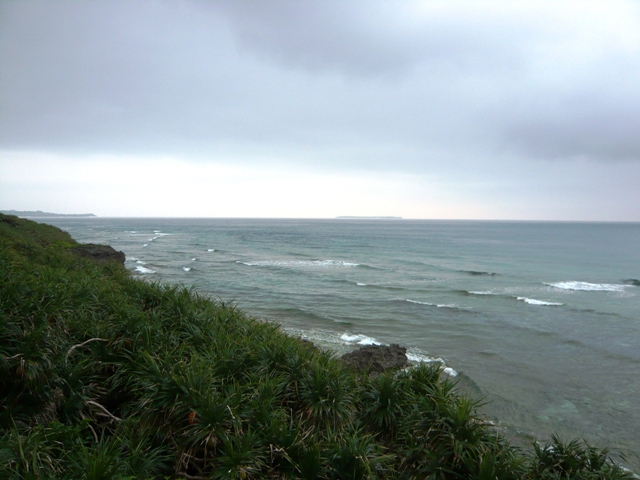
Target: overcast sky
{"x":435,"y":109}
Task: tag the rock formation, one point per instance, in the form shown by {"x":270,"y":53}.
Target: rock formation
{"x":99,"y":253}
{"x":376,"y":358}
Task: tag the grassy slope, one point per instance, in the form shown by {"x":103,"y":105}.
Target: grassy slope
{"x":106,"y":376}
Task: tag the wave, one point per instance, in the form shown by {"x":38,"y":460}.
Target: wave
{"x":358,"y":340}
{"x":145,"y":245}
{"x":140,"y":262}
{"x":533,"y":301}
{"x":478,"y":273}
{"x":439,"y":305}
{"x":186,"y":269}
{"x":419,"y":358}
{"x":211,"y":249}
{"x":141,"y":269}
{"x":193,"y":259}
{"x":632,"y":281}
{"x":361,"y":284}
{"x":299,"y":263}
{"x":480,"y":293}
{"x":588,"y":287}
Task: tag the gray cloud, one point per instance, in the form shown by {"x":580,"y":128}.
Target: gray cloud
{"x":378,"y":84}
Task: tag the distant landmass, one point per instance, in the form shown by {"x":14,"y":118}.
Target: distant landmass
{"x":347,"y":217}
{"x":39,"y":214}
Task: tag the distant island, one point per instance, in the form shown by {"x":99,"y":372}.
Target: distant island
{"x":347,"y":217}
{"x":40,"y":214}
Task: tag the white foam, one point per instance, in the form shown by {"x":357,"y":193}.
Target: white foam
{"x":186,"y":269}
{"x":533,"y":301}
{"x":299,"y":263}
{"x":358,"y":339}
{"x":142,"y":269}
{"x":145,"y":245}
{"x":482,"y":293}
{"x":132,"y":258}
{"x":156,"y":231}
{"x":419,"y":303}
{"x":439,"y":305}
{"x":211,"y":249}
{"x":141,"y":262}
{"x":193,"y":259}
{"x":361,"y":284}
{"x":588,"y":287}
{"x":418,"y":358}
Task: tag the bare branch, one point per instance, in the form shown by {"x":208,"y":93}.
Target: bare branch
{"x":107,"y":412}
{"x":83,"y":344}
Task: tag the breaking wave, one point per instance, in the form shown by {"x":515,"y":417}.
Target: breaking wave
{"x":588,"y":287}
{"x":300,"y":263}
{"x":141,"y":269}
{"x":533,"y":301}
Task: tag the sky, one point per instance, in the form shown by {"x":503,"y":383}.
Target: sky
{"x":504,"y":110}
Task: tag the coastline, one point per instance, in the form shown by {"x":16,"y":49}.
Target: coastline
{"x":85,"y":286}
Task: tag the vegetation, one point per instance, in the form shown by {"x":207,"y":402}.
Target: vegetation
{"x":105,"y":376}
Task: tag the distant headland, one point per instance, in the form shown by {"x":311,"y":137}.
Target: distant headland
{"x":40,"y":214}
{"x":348,"y":217}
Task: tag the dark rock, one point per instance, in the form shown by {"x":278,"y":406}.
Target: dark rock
{"x":376,"y":358}
{"x":99,"y":253}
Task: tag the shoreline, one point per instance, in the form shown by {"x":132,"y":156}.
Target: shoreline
{"x":105,"y":274}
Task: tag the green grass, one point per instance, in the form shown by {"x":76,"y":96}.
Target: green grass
{"x":105,"y":376}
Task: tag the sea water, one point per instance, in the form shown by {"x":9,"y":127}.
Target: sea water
{"x":541,"y":320}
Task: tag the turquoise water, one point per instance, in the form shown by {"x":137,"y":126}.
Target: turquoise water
{"x":542,"y":319}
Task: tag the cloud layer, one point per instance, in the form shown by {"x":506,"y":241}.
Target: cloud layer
{"x":442,"y":88}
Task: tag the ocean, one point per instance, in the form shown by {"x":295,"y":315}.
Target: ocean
{"x":540,"y":320}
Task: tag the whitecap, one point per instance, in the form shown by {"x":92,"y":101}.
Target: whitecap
{"x":299,"y":263}
{"x":145,"y":245}
{"x":186,"y":269}
{"x":419,"y":303}
{"x":439,"y":305}
{"x":588,"y":287}
{"x":142,"y":269}
{"x":418,"y":358}
{"x":193,"y":259}
{"x":141,"y":262}
{"x":211,"y":249}
{"x":482,"y":293}
{"x":533,"y":301}
{"x":361,"y":284}
{"x":358,"y":339}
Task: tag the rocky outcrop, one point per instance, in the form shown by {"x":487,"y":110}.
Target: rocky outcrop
{"x":99,"y":253}
{"x":376,"y":358}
